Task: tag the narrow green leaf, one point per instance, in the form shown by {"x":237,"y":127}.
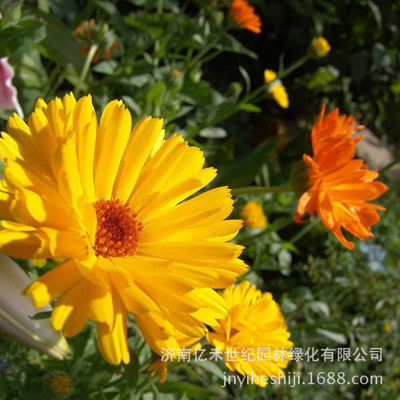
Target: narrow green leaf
{"x":242,"y":171}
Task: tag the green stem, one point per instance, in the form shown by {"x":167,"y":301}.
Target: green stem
{"x":307,"y":228}
{"x":86,"y":67}
{"x":159,"y":6}
{"x":262,"y":189}
{"x":203,"y":52}
{"x":389,"y":166}
{"x":294,"y":66}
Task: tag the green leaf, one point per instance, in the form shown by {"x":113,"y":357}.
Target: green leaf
{"x":132,"y":369}
{"x":323,"y":76}
{"x":112,"y":10}
{"x":319,"y":307}
{"x":106,"y":67}
{"x":249,"y":107}
{"x":59,"y":45}
{"x":211,"y":367}
{"x":229,"y":43}
{"x":242,"y":171}
{"x":336,"y":337}
{"x":41,"y":315}
{"x":25,"y":32}
{"x":213,"y":133}
{"x":10,"y":11}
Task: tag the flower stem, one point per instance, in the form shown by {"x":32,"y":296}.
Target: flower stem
{"x":85,"y":69}
{"x":389,"y":166}
{"x":294,"y":66}
{"x":262,"y":189}
{"x":306,"y":228}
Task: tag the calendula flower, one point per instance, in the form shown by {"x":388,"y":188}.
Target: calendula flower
{"x":110,"y":200}
{"x":8,"y":93}
{"x":60,"y":384}
{"x":244,"y":16}
{"x":16,"y":310}
{"x":320,"y":46}
{"x":254,"y":335}
{"x":276,"y":88}
{"x":253,"y":215}
{"x":337,"y":186}
{"x":89,"y":33}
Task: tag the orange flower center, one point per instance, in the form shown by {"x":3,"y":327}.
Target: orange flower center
{"x":118,"y":231}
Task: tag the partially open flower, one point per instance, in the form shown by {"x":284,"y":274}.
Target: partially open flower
{"x":338,"y":187}
{"x":16,"y":310}
{"x":244,"y":16}
{"x":89,"y":33}
{"x":253,"y":335}
{"x":320,"y":47}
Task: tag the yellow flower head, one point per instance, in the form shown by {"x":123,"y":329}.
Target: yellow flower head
{"x":320,"y":46}
{"x":253,"y":335}
{"x":280,"y":95}
{"x":253,"y":215}
{"x":110,"y":200}
{"x":269,"y":75}
{"x":60,"y":384}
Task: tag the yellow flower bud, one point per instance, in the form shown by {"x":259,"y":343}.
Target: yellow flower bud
{"x":320,"y":46}
{"x":280,"y":95}
{"x":269,"y":75}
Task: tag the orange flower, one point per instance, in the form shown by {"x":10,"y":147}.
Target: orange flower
{"x":243,"y":15}
{"x":339,"y":186}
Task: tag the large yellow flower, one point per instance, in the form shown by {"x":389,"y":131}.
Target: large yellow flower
{"x":253,"y":335}
{"x":109,"y":199}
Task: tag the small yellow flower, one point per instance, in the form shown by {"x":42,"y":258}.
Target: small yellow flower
{"x":253,"y":215}
{"x":280,"y":95}
{"x":60,"y":384}
{"x":269,"y":75}
{"x":320,"y":46}
{"x":387,"y":327}
{"x":254,"y":335}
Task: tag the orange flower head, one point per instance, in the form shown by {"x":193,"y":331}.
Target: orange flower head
{"x":243,"y":15}
{"x":339,"y":186}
